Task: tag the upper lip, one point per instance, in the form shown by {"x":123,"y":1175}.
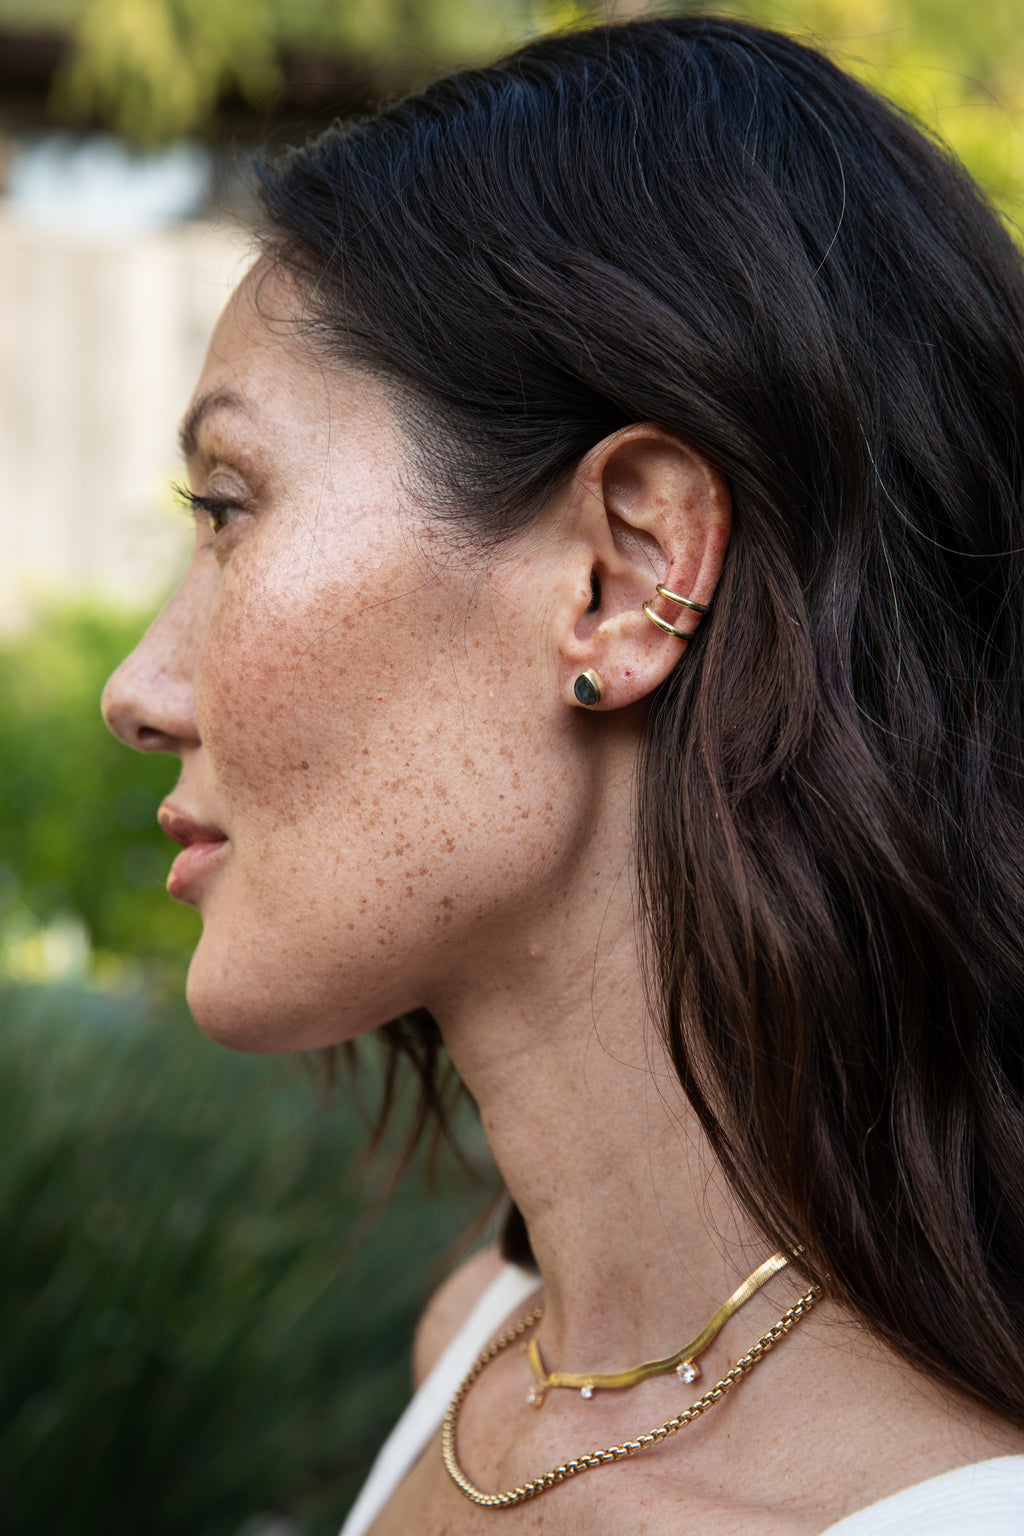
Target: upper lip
{"x":185,"y":829}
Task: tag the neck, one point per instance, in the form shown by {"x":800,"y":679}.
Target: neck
{"x":636,"y":1236}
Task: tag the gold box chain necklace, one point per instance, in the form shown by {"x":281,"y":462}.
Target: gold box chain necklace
{"x":586,"y":1463}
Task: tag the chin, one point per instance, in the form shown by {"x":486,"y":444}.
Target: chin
{"x":269,"y":1014}
{"x":232,"y":1020}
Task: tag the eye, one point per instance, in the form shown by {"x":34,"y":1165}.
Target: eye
{"x":217,"y":510}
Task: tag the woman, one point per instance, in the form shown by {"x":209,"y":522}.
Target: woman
{"x":606,"y":633}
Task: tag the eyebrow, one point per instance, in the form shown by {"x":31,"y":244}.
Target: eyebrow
{"x":213,"y":400}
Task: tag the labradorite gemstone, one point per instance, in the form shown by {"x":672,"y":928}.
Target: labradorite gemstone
{"x":585,"y":691}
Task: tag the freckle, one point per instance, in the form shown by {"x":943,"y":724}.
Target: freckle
{"x":304,"y":766}
{"x":422,"y":870}
{"x":351,"y":927}
{"x":408,"y":890}
{"x":380,"y":879}
{"x":446,"y":901}
{"x":515,"y":781}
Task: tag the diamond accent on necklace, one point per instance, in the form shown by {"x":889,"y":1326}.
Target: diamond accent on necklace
{"x":586,"y":1393}
{"x":687,"y":1371}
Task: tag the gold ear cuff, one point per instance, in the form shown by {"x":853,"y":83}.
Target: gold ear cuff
{"x":684,"y":602}
{"x":663,"y":624}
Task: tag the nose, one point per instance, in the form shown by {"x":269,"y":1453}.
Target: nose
{"x":148,"y":701}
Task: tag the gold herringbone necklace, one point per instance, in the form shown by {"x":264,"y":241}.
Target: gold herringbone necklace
{"x":586,"y":1463}
{"x":683,"y":1362}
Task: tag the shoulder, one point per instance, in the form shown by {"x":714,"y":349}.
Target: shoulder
{"x":449,"y":1307}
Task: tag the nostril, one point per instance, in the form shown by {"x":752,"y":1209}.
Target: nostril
{"x":147,"y":739}
{"x":148,"y":701}
{"x":121,"y":707}
{"x":149,"y":714}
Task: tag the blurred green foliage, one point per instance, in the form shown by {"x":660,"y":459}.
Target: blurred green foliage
{"x":189,"y":1338}
{"x":958,"y":69}
{"x":79,"y":841}
{"x":156,"y":69}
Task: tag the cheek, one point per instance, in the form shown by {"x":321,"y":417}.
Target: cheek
{"x":386,"y":774}
{"x":244,"y":691}
{"x":308,"y":692}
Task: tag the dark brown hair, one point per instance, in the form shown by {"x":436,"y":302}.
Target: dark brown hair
{"x":708,"y":226}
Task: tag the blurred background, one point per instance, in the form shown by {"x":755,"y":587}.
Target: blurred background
{"x":206,"y":1318}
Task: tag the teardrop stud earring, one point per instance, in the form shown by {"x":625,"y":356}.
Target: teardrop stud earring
{"x":588,"y":688}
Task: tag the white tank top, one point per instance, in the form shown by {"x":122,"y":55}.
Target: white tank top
{"x":986,"y":1499}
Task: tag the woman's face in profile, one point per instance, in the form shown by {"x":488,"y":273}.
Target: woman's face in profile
{"x":372,"y":768}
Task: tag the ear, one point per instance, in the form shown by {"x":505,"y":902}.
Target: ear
{"x":645,"y":510}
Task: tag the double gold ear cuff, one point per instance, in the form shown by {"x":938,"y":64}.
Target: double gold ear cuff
{"x":684,"y":602}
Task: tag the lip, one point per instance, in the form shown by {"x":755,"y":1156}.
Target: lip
{"x":201,"y":846}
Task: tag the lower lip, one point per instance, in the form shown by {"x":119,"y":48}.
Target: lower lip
{"x":190,"y":865}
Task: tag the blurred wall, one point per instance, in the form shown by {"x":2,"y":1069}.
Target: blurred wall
{"x":101,"y":340}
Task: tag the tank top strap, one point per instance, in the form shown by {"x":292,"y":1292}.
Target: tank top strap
{"x":422,"y":1418}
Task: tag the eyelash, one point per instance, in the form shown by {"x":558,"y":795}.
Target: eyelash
{"x":213,"y":508}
